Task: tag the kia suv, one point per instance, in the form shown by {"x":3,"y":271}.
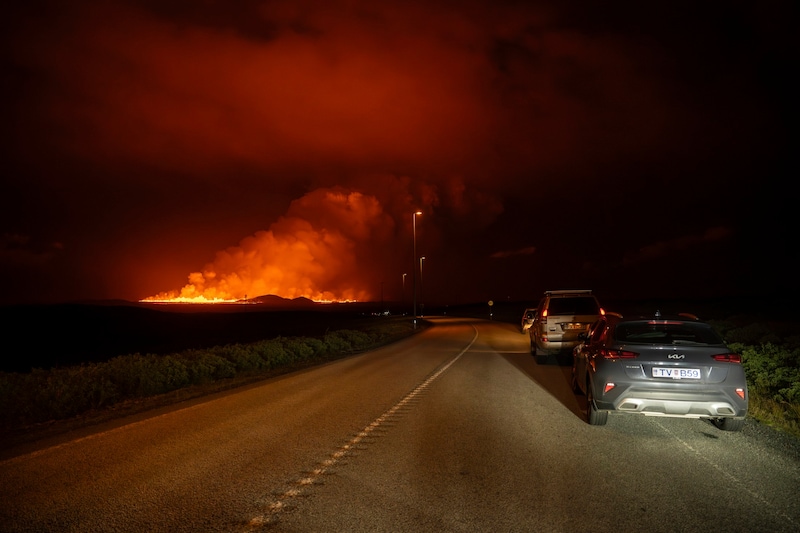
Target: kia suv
{"x":560,"y":318}
{"x":675,"y":366}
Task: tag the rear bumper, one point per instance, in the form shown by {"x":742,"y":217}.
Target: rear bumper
{"x":684,"y":404}
{"x":555,"y":347}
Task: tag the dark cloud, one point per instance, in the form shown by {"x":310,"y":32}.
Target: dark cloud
{"x":528,"y":250}
{"x":156,"y":139}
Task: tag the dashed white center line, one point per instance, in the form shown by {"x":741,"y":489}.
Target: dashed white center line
{"x":274,"y":508}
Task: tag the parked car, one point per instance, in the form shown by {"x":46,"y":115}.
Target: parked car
{"x":560,"y":317}
{"x":527,"y":319}
{"x":674,"y":366}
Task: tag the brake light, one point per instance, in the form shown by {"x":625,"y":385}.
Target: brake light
{"x":602,"y":312}
{"x":728,"y":357}
{"x":544,"y":313}
{"x":617,"y":354}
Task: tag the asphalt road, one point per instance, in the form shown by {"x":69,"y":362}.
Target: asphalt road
{"x":453,"y":429}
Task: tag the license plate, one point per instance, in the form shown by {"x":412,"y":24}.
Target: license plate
{"x":676,"y":373}
{"x":573,"y":325}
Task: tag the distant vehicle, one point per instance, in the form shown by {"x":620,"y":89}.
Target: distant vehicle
{"x":659,"y":366}
{"x":560,"y":317}
{"x":527,"y":319}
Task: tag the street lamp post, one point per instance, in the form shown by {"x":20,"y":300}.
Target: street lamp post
{"x":414,"y":235}
{"x":421,"y":287}
{"x":403,"y":304}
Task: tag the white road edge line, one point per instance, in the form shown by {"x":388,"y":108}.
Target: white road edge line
{"x":280,"y":504}
{"x":725,"y":473}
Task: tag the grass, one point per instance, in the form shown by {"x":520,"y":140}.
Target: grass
{"x":781,"y":415}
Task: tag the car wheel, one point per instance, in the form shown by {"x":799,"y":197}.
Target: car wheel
{"x":729,"y":424}
{"x":575,"y":388}
{"x":593,"y":416}
{"x":541,"y":359}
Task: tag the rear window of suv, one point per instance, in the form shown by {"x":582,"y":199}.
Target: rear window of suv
{"x":579,"y":305}
{"x":666,"y":332}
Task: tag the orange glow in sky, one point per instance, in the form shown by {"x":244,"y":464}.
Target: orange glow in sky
{"x":217,"y":151}
{"x":311,"y":253}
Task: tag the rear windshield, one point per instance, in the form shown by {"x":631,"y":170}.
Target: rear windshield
{"x":580,"y":305}
{"x":665,"y":332}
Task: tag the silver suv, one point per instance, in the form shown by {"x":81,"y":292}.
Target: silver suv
{"x":560,"y":317}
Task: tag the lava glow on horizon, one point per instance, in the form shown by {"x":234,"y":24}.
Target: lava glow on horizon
{"x":204,"y":301}
{"x":182,"y":300}
{"x":312,"y":252}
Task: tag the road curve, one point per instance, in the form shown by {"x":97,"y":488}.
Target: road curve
{"x":454,"y":429}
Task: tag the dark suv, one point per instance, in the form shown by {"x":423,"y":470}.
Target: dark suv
{"x":560,"y":318}
{"x":675,"y":366}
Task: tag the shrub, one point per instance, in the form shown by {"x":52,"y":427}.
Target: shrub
{"x":772,"y":371}
{"x":271,"y":352}
{"x":205,"y":366}
{"x":347,"y":341}
{"x":244,"y":358}
{"x":303,"y":349}
{"x":137,"y":375}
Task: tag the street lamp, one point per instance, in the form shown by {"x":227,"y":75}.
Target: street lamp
{"x":414,"y":261}
{"x":403,"y":305}
{"x":421,"y":287}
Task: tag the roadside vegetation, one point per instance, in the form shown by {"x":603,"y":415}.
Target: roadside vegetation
{"x":125,"y":382}
{"x":770,"y":356}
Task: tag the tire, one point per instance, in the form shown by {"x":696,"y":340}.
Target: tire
{"x":575,"y":388}
{"x":593,"y":415}
{"x":541,"y":359}
{"x":729,"y":424}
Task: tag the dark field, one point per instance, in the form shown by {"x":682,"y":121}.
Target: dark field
{"x":71,"y":334}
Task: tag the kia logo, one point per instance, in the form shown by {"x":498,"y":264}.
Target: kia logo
{"x":675,"y":356}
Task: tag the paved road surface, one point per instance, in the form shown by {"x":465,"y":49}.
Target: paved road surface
{"x":455,"y":429}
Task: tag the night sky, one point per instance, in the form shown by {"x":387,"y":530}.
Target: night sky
{"x":164,"y":148}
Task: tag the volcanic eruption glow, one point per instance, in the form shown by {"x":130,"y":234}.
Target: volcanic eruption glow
{"x":312,"y":252}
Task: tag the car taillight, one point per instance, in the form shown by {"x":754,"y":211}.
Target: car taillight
{"x":728,"y":358}
{"x":617,"y":354}
{"x":544,"y":314}
{"x":608,"y":387}
{"x":740,"y":393}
